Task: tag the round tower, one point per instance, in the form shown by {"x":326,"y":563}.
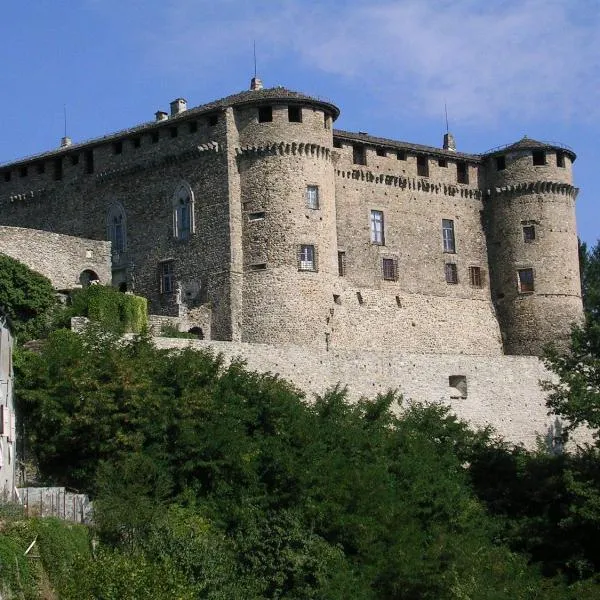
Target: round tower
{"x":529,"y":210}
{"x":289,"y":240}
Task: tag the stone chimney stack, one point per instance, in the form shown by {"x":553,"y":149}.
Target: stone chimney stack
{"x":178,"y":105}
{"x":161,"y":115}
{"x":65,"y":141}
{"x":449,"y":142}
{"x":256,"y":84}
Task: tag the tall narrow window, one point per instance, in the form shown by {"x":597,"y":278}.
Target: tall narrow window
{"x":423,"y":166}
{"x":88,"y":158}
{"x":312,"y":196}
{"x":167,"y":277}
{"x":58,"y":169}
{"x":389,"y":267}
{"x":526,"y":284}
{"x":529,"y":233}
{"x":500,"y":163}
{"x":475,"y":277}
{"x":462,"y":172}
{"x":560,"y":159}
{"x":448,"y":236}
{"x":341,"y":263}
{"x":451,"y":273}
{"x":116,"y":228}
{"x":307,"y":258}
{"x":359,"y":156}
{"x":183,"y":212}
{"x":377,"y":231}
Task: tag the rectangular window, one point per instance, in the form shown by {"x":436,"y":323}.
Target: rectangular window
{"x":295,"y":114}
{"x":136,"y":142}
{"x":500,"y":163}
{"x":312,"y":196}
{"x":380,"y":152}
{"x":448,"y":236}
{"x":422,"y":166}
{"x":359,"y":156}
{"x":265,"y":114}
{"x":256,"y":216}
{"x":377,"y":231}
{"x":327,"y":121}
{"x":389,"y":267}
{"x":462,"y":172}
{"x":539,"y":157}
{"x":451,"y":273}
{"x":560,"y":159}
{"x":528,"y":233}
{"x":337,"y":143}
{"x":118,"y":147}
{"x":341,"y":264}
{"x":401,"y":155}
{"x":22,"y":171}
{"x":213,"y":120}
{"x":475,"y":276}
{"x":442,"y":162}
{"x":526,"y":285}
{"x":167,"y":277}
{"x":40,"y":168}
{"x":174,"y":132}
{"x":74,"y":159}
{"x":88,"y":158}
{"x":154,"y":137}
{"x":6,"y":176}
{"x":307,"y":259}
{"x":58,"y":169}
{"x":193,"y":126}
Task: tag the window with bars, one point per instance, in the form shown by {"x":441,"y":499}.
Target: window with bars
{"x":341,"y":263}
{"x":389,"y":267}
{"x":307,"y":258}
{"x":377,"y":231}
{"x":312,"y":196}
{"x":525,"y":278}
{"x":167,"y":277}
{"x":475,"y":277}
{"x":451,"y":273}
{"x":448,"y":236}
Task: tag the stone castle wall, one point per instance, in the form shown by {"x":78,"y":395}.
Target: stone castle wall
{"x":502,"y":391}
{"x":61,"y":258}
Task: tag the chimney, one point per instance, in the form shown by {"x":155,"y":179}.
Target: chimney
{"x":256,"y":84}
{"x":65,"y":141}
{"x":449,"y":142}
{"x":178,"y":105}
{"x":161,"y":115}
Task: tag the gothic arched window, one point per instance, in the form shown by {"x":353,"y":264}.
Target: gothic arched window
{"x":116,"y":228}
{"x":183,"y":212}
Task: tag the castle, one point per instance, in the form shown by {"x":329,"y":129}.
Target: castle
{"x":254,"y":221}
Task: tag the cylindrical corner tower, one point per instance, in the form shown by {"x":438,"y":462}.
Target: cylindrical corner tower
{"x":532,"y":244}
{"x":289,"y":240}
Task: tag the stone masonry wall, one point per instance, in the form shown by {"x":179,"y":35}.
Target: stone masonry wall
{"x":502,"y":391}
{"x":61,"y":258}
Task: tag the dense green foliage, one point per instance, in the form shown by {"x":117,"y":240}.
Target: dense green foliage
{"x":26,"y":297}
{"x":212,"y":482}
{"x":109,"y":307}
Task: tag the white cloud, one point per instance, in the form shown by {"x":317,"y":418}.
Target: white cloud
{"x":528,"y":58}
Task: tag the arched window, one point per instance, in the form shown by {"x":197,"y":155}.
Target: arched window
{"x":183,"y":212}
{"x":116,"y":228}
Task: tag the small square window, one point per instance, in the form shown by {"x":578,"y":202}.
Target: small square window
{"x":560,"y":159}
{"x":312,"y":196}
{"x":539,"y":157}
{"x":401,"y":154}
{"x":213,"y":120}
{"x":500,"y":163}
{"x":193,"y":126}
{"x":167,"y":277}
{"x":529,"y":233}
{"x":136,"y":142}
{"x":389,"y":268}
{"x":451,"y":273}
{"x":442,"y":162}
{"x":422,"y":166}
{"x":448,"y":236}
{"x":377,"y":231}
{"x":341,"y":264}
{"x":359,"y":156}
{"x":526,"y":284}
{"x":23,"y":171}
{"x":307,"y":259}
{"x":380,"y":152}
{"x":337,"y":143}
{"x":475,"y":277}
{"x":265,"y":114}
{"x":118,"y":147}
{"x":462,"y":172}
{"x":7,"y":176}
{"x":295,"y":114}
{"x":458,"y":383}
{"x":74,"y":159}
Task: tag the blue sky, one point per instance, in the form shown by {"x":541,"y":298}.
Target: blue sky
{"x":505,"y":68}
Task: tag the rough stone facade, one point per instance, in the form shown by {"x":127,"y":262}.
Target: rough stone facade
{"x":67,"y":261}
{"x":253,"y":220}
